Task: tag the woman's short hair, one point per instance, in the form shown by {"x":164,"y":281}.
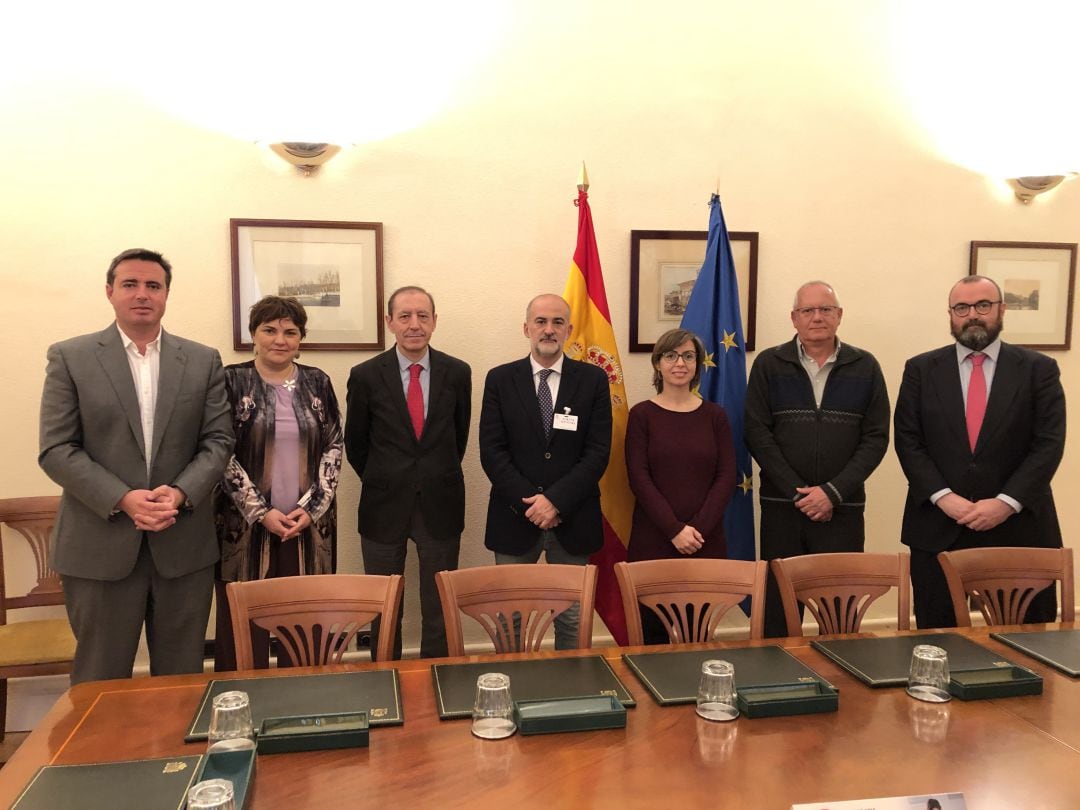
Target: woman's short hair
{"x":668,"y":342}
{"x":274,"y":308}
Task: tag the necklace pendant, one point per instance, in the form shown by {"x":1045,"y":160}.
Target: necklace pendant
{"x":290,"y":384}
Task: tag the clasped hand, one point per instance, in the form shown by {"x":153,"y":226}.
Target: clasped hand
{"x":541,"y":512}
{"x":815,"y":504}
{"x":286,"y":526}
{"x":152,"y":510}
{"x":688,"y":540}
{"x":979,"y":516}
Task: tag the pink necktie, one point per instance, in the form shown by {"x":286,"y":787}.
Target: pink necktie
{"x":415,"y":399}
{"x":976,"y":398}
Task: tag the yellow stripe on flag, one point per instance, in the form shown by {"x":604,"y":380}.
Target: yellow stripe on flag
{"x":593,"y":341}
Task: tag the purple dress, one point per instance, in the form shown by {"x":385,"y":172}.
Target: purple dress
{"x":682,"y":471}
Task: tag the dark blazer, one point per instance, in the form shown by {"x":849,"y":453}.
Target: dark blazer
{"x":1020,"y":445}
{"x":396,"y":467}
{"x":91,"y":444}
{"x":521,"y":462}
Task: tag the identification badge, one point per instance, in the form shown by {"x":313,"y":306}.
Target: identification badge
{"x":564,"y":421}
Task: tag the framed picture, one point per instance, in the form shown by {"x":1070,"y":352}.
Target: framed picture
{"x":333,"y":268}
{"x":663,"y":268}
{"x":1037,"y":281}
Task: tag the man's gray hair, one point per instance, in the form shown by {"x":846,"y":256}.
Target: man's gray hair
{"x":816,"y":283}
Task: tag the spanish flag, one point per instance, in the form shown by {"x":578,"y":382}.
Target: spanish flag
{"x":593,"y":341}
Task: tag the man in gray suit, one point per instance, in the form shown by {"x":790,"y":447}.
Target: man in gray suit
{"x":135,"y":427}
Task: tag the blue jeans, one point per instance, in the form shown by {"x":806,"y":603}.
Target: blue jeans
{"x":566,"y":623}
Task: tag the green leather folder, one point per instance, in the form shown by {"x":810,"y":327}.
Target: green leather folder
{"x":672,"y":677}
{"x":142,"y":784}
{"x":1058,"y":648}
{"x":887,"y":661}
{"x":534,"y":679}
{"x":376,"y":692}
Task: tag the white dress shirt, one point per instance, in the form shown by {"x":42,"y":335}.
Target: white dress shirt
{"x":989,"y":367}
{"x":552,"y":380}
{"x":144,"y":372}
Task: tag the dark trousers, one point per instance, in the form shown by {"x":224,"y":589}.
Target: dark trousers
{"x":433,"y":556}
{"x":568,"y":622}
{"x":652,"y":629}
{"x":107,"y":618}
{"x":933,"y":605}
{"x":284,"y":562}
{"x":787,"y":532}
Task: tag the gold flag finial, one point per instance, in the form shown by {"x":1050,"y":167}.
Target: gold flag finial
{"x":583,"y":179}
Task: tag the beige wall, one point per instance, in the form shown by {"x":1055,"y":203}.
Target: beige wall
{"x":791,"y":108}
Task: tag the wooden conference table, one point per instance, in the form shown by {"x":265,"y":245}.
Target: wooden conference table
{"x":1008,"y":753}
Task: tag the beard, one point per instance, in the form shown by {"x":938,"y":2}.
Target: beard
{"x":976,"y":334}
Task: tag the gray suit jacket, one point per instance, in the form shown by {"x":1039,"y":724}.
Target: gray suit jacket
{"x":91,"y":444}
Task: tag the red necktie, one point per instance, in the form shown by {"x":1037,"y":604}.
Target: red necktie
{"x":415,"y":399}
{"x":976,"y":398}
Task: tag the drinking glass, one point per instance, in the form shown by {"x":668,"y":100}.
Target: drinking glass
{"x":213,"y":794}
{"x":716,"y":692}
{"x":928,"y":679}
{"x":231,"y":727}
{"x":493,"y":711}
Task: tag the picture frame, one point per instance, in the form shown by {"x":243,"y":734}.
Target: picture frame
{"x":661,"y":262}
{"x":1038,"y":281}
{"x":334,"y":268}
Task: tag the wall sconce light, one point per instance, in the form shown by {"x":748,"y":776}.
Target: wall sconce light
{"x":1028,"y":188}
{"x":306,"y":157}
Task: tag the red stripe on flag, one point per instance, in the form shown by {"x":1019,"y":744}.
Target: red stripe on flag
{"x":608,"y":598}
{"x":587,"y":257}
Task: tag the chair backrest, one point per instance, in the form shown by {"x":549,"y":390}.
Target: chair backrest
{"x":33,"y":519}
{"x":314,"y":617}
{"x":690,"y":597}
{"x":492,"y":594}
{"x":1003,"y":581}
{"x":838,"y":589}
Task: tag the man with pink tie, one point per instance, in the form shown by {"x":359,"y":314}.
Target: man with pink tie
{"x":980,"y":430}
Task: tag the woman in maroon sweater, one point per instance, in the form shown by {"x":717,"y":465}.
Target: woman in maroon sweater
{"x":681,"y":464}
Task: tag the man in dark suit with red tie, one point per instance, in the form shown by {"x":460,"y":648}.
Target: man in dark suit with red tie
{"x":980,"y":430}
{"x":405,"y":434}
{"x":545,"y":438}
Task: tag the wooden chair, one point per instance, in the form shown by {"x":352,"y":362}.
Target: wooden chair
{"x":1003,"y":581}
{"x":839,"y":588}
{"x":314,"y":618}
{"x":37,"y":647}
{"x":690,"y":597}
{"x":492,"y":594}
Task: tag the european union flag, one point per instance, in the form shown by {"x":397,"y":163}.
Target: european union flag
{"x":712,"y":313}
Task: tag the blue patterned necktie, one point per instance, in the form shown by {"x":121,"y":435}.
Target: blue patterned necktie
{"x":547,"y":407}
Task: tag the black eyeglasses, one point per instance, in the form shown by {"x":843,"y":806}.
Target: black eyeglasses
{"x":982,"y":307}
{"x":687,"y":357}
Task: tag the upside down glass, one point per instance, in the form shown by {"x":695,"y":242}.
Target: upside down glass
{"x":928,"y":679}
{"x":716,"y":692}
{"x":213,"y":794}
{"x":231,"y":727}
{"x":493,"y":711}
